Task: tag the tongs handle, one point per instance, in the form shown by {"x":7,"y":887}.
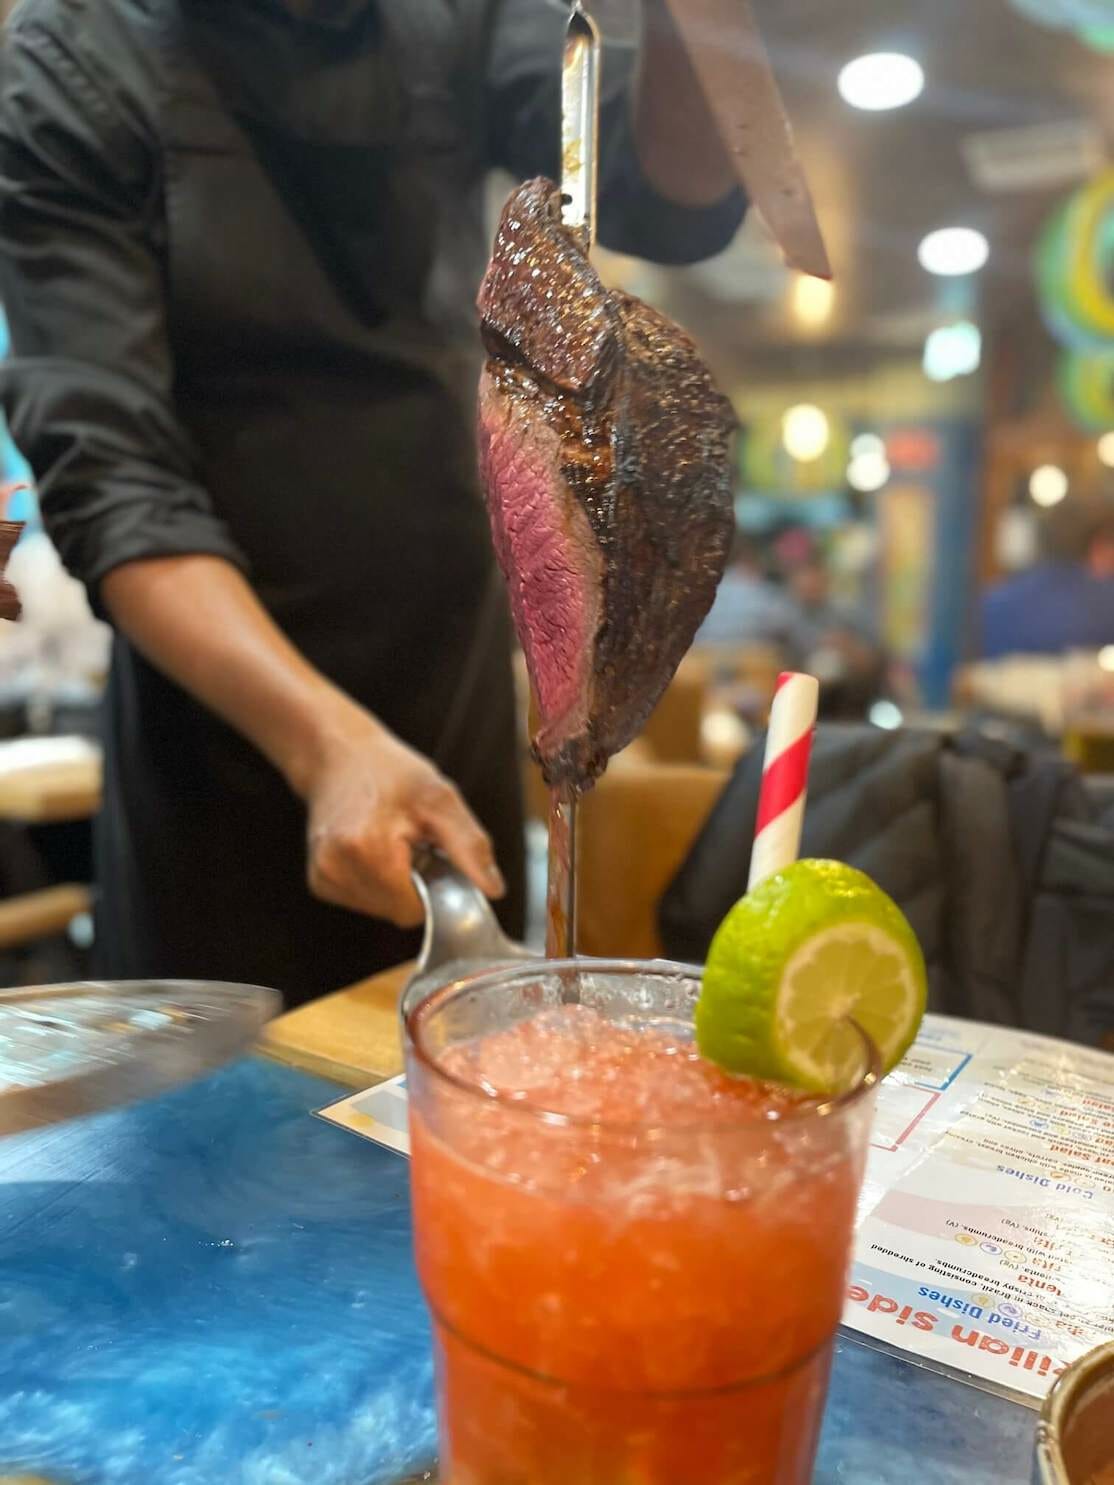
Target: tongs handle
{"x":580,"y":115}
{"x":459,"y":922}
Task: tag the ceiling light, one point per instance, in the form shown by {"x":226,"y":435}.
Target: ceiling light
{"x":805,"y":432}
{"x":867,"y":443}
{"x":868,"y":472}
{"x":952,"y":350}
{"x":812,"y":299}
{"x":1106,"y":449}
{"x":953,"y":250}
{"x":881,"y":80}
{"x":1048,"y":485}
{"x":887,"y":715}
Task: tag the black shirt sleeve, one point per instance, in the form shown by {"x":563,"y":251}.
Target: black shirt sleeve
{"x":524,"y":129}
{"x":87,"y":389}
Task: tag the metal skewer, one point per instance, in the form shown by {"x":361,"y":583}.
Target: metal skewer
{"x":580,"y":117}
{"x":560,"y":900}
{"x":580,"y":111}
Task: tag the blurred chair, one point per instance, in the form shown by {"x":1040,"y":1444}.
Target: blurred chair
{"x":753,"y":667}
{"x":49,"y":779}
{"x":636,"y":828}
{"x":742,"y":682}
{"x":30,"y":917}
{"x":43,"y":781}
{"x":673,"y":729}
{"x":673,"y":733}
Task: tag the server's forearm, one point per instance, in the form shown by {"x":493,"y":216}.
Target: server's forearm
{"x":197,"y":619}
{"x":369,"y":798}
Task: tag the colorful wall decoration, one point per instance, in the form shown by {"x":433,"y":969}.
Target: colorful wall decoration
{"x":907,"y":543}
{"x":1091,"y":20}
{"x":1074,"y":267}
{"x":1086,"y":383}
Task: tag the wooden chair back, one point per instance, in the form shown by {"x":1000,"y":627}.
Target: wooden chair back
{"x":636,"y":828}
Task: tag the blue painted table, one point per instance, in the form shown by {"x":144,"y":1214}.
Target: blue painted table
{"x":214,"y":1288}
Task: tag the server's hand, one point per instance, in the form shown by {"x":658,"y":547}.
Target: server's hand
{"x":369,"y":797}
{"x":371,"y":800}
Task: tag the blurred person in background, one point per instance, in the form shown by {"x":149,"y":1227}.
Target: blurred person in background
{"x":821,"y":618}
{"x":1066,"y":600}
{"x":239,"y":247}
{"x":834,"y":640}
{"x":749,"y":608}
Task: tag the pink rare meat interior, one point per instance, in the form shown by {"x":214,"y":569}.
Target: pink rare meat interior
{"x":544,"y":542}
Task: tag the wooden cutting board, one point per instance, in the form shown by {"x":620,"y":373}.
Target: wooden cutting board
{"x":352,"y":1036}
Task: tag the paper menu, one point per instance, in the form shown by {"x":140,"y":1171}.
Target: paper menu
{"x":379,"y":1114}
{"x":986,"y":1224}
{"x":919,"y":1100}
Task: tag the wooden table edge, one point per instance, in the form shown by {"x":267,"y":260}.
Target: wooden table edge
{"x":351,"y":1037}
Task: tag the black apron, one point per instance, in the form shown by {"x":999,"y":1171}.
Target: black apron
{"x":325,"y":372}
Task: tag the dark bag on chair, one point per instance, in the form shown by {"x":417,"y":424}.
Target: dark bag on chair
{"x":1002,"y":859}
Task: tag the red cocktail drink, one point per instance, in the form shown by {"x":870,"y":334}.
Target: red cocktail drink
{"x":635,"y":1262}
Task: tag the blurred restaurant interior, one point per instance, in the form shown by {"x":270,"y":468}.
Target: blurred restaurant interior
{"x":265,"y":690}
{"x":925,"y":489}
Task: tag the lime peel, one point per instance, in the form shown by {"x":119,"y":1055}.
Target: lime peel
{"x":808,"y":948}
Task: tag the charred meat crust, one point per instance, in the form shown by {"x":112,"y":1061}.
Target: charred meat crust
{"x":643,"y":441}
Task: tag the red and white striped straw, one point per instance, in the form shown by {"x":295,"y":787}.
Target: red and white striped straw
{"x":781,"y":802}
